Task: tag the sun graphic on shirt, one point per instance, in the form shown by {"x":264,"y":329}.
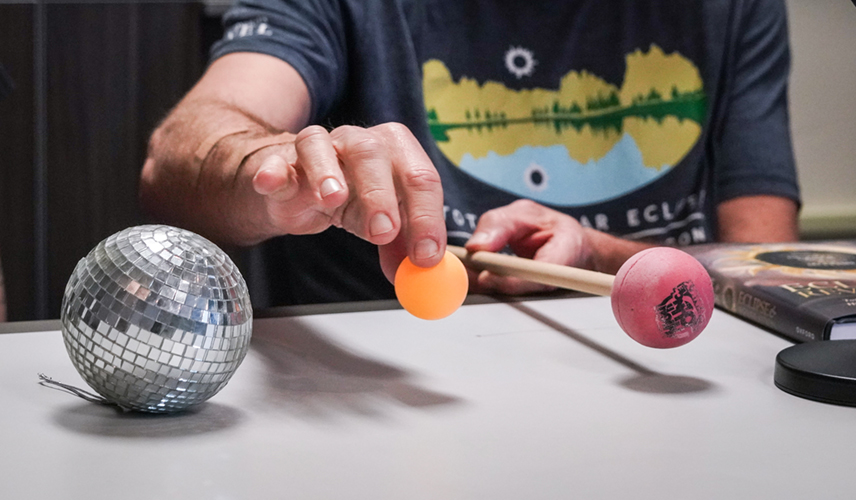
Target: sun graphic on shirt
{"x":520,"y":62}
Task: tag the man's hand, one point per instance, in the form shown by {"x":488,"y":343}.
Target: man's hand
{"x":376,"y":183}
{"x":532,"y":231}
{"x":537,"y":232}
{"x":222,"y":165}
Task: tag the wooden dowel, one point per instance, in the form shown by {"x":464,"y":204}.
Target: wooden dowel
{"x":539,"y":272}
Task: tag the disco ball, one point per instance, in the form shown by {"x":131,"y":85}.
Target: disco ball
{"x":156,"y":319}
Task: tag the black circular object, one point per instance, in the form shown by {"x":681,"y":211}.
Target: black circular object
{"x":822,"y":371}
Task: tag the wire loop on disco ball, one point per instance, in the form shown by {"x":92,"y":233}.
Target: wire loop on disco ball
{"x":156,"y":319}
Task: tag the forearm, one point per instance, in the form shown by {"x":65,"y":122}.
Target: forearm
{"x":749,"y":219}
{"x":221,"y":165}
{"x":758,"y":219}
{"x":196,"y":175}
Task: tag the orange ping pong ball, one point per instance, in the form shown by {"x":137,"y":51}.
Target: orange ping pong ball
{"x":432,"y":292}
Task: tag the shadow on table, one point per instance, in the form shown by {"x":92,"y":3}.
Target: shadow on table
{"x":659,"y":383}
{"x":308,"y":373}
{"x":101,"y":420}
{"x":643,"y":380}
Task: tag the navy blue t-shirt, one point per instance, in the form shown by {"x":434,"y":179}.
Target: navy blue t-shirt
{"x":636,"y":117}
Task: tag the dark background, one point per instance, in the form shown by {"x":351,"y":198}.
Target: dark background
{"x":91,"y":81}
{"x":93,"y":78}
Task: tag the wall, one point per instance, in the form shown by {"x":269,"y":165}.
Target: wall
{"x":823,"y":113}
{"x":91,"y":82}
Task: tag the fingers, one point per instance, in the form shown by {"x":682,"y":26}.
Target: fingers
{"x":532,"y":231}
{"x":275,"y":175}
{"x":397,"y":192}
{"x":318,"y":159}
{"x":487,"y":282}
{"x":312,"y":157}
{"x":376,"y":183}
{"x":391,"y":255}
{"x":517,"y":225}
{"x":372,"y":211}
{"x":421,"y":197}
{"x":523,"y":225}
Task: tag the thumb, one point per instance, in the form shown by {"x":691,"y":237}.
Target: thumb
{"x":275,"y":176}
{"x":487,"y":240}
{"x":391,"y":255}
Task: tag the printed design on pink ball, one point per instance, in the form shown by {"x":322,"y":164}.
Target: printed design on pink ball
{"x":680,"y":313}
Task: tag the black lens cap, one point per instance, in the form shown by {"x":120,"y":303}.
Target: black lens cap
{"x":822,"y":371}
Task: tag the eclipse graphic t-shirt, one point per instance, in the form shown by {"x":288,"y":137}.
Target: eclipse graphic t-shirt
{"x":635,"y":117}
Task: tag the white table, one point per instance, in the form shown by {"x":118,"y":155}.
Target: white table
{"x":543,"y":399}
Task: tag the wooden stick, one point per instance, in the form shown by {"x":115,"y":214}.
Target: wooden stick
{"x":539,"y":272}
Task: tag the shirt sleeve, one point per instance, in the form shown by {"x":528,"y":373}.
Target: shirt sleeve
{"x":307,"y":34}
{"x":755,"y":151}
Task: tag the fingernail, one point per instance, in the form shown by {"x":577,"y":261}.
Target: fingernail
{"x":478,"y":239}
{"x":329,"y":187}
{"x":426,"y":249}
{"x":260,"y":184}
{"x":261,"y":171}
{"x":380,"y":224}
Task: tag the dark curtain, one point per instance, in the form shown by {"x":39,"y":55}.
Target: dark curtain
{"x":112,"y":71}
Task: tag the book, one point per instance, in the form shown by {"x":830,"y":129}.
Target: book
{"x":805,"y":291}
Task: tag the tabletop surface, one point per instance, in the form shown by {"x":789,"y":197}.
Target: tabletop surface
{"x":543,"y":399}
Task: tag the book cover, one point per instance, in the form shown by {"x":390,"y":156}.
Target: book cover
{"x":805,"y":291}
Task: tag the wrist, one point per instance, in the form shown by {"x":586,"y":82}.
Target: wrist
{"x":608,"y":252}
{"x":242,"y":216}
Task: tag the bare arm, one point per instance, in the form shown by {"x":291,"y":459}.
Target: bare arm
{"x":758,"y":219}
{"x":748,"y":219}
{"x":234,"y":162}
{"x":179,"y":188}
{"x":534,"y":231}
